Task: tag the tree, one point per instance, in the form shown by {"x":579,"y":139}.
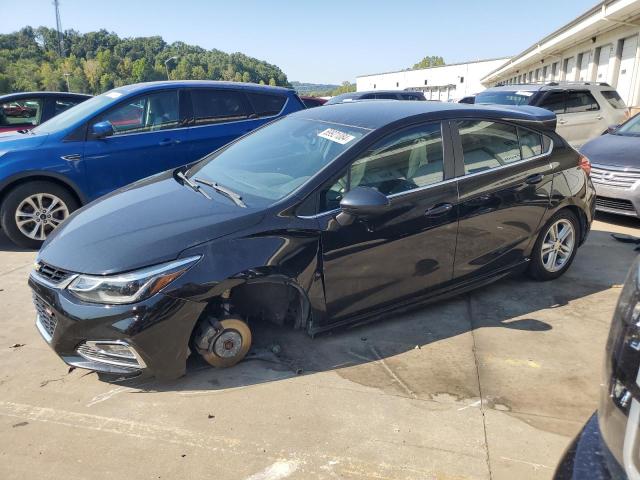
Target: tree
{"x":272,"y":82}
{"x":429,"y":61}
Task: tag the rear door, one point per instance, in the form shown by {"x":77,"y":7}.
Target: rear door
{"x":409,"y":249}
{"x":504,"y":186}
{"x":582,"y":119}
{"x":219,"y":116}
{"x":148,"y":138}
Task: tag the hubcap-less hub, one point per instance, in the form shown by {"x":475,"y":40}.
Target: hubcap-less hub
{"x":228,"y":344}
{"x":558,"y":245}
{"x":39,"y":214}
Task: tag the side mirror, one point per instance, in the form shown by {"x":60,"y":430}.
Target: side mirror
{"x":613,"y":128}
{"x":361,"y":202}
{"x":102,"y":129}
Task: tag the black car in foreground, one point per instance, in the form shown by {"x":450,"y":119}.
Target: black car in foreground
{"x":607,"y":447}
{"x":616,"y":168}
{"x":328,"y":216}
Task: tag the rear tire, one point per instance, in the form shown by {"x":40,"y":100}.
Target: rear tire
{"x":555,"y":247}
{"x":31,"y":211}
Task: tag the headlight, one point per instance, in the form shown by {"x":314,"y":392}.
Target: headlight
{"x":129,"y":287}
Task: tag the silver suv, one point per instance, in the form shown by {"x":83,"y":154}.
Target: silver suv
{"x":585,"y":110}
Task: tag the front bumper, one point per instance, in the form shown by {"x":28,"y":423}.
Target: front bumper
{"x":615,"y":193}
{"x":588,"y":458}
{"x":157,"y":330}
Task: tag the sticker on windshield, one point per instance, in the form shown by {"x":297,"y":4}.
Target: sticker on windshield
{"x":524,"y":93}
{"x":336,"y":136}
{"x":113,"y":94}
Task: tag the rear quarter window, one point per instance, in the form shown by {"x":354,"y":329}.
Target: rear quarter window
{"x":266,"y":105}
{"x":613,"y":98}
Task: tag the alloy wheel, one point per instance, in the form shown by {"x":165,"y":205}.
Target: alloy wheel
{"x":558,"y":245}
{"x":38,"y":214}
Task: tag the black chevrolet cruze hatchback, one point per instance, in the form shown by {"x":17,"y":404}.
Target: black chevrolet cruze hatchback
{"x":325,"y":217}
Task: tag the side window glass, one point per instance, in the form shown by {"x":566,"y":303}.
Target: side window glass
{"x":487,"y":145}
{"x":554,"y":101}
{"x":25,"y":112}
{"x":63,"y":104}
{"x":156,"y":111}
{"x":403,"y":161}
{"x":581,"y":102}
{"x":386,"y":96}
{"x":265,"y":105}
{"x":218,"y":106}
{"x":331,"y":196}
{"x":530,"y":143}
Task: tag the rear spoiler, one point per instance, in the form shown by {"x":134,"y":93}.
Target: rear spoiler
{"x":534,"y":116}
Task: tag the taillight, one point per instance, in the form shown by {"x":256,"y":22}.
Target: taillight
{"x":584,"y":164}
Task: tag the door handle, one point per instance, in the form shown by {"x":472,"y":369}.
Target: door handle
{"x":166,"y":142}
{"x":599,"y":117}
{"x":533,"y":179}
{"x":438,"y":210}
{"x":562,"y":122}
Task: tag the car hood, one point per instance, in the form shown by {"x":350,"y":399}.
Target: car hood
{"x":617,"y":150}
{"x":148,"y":222}
{"x":20,"y":141}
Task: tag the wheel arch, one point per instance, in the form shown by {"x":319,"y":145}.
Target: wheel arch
{"x":31,"y":176}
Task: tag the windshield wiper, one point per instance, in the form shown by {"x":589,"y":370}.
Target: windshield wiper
{"x":237,"y":199}
{"x":190,"y":184}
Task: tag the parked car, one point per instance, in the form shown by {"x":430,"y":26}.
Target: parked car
{"x":119,"y":137}
{"x":377,"y":95}
{"x":23,"y":111}
{"x":585,"y":110}
{"x":311,"y":102}
{"x":615,"y":171}
{"x":607,"y":446}
{"x":325,"y":217}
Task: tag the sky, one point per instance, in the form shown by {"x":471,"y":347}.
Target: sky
{"x":326,"y":41}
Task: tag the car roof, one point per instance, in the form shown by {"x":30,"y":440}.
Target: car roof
{"x":144,"y":86}
{"x":535,"y":87}
{"x":19,"y":95}
{"x":374,"y":115}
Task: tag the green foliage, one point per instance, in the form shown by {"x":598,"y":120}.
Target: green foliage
{"x":99,"y":61}
{"x":429,"y":61}
{"x":346,"y":87}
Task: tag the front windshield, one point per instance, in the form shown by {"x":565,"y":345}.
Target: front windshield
{"x":275,"y":160}
{"x":77,"y":113}
{"x":631,"y":128}
{"x":502,"y":97}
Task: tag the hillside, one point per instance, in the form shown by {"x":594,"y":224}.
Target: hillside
{"x":98,"y":61}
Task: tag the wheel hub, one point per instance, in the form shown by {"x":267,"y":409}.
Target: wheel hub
{"x":228,"y":344}
{"x":38,"y":214}
{"x":558,"y":245}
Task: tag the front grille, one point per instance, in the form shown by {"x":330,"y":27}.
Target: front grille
{"x":617,"y":177}
{"x":614,"y":204}
{"x":53,"y":274}
{"x":46,"y":316}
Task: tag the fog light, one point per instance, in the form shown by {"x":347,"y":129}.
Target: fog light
{"x":111,"y":352}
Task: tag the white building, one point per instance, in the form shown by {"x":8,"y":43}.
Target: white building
{"x":601,"y":45}
{"x":438,"y":83}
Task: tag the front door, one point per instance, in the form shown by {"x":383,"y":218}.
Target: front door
{"x":504,"y":192}
{"x":410,"y":248}
{"x":148,"y":138}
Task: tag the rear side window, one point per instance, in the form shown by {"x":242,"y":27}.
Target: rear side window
{"x":554,"y":101}
{"x":63,"y":104}
{"x":266,"y":105}
{"x":487,"y":145}
{"x":613,"y":98}
{"x":530,"y":143}
{"x":21,"y":113}
{"x":581,"y":102}
{"x":386,"y":96}
{"x":218,"y":106}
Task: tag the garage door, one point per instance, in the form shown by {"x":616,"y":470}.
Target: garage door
{"x":584,"y":66}
{"x":602,"y":74}
{"x":627,"y":64}
{"x":569,"y":65}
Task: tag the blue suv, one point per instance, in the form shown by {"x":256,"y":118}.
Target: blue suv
{"x":118,"y":137}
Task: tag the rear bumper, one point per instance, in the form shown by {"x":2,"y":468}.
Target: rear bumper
{"x":588,"y":458}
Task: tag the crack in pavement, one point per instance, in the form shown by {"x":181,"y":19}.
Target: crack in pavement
{"x":475,"y":359}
